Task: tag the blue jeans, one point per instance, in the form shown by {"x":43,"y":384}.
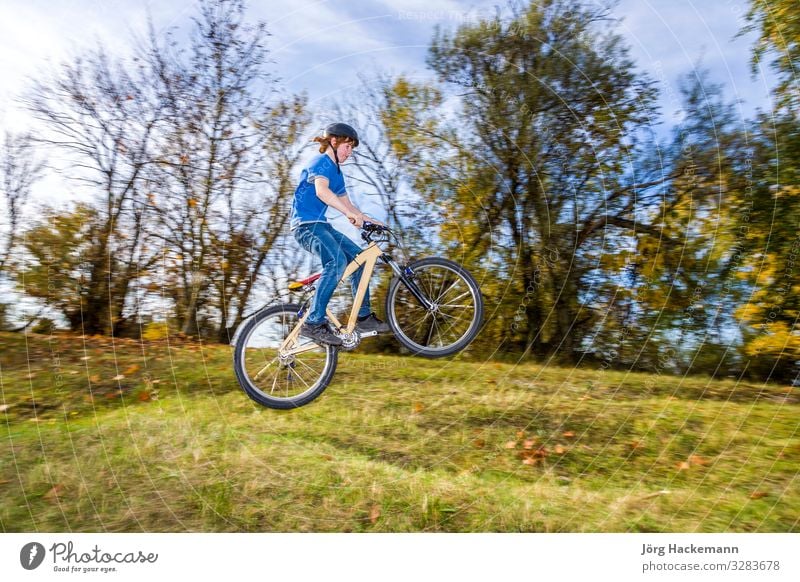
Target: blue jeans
{"x":336,"y":251}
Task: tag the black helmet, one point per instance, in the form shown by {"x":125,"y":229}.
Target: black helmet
{"x":341,"y":130}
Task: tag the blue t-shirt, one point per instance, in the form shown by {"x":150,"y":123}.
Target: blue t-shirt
{"x":307,"y":207}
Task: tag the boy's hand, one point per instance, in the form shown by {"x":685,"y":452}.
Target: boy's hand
{"x":356,"y":218}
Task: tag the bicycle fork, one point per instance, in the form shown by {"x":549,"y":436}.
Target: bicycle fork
{"x":406,"y":275}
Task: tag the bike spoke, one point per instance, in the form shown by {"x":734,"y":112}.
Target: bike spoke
{"x":293,"y":371}
{"x":429,"y":335}
{"x":264,"y":369}
{"x":444,"y":293}
{"x":456,"y":298}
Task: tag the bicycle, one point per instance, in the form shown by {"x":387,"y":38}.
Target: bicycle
{"x":434,"y":308}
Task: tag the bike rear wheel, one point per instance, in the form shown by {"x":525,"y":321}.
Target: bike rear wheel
{"x":451,"y":324}
{"x":276,"y":373}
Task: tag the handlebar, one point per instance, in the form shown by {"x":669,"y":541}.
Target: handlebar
{"x":368,"y":229}
{"x":372,"y":227}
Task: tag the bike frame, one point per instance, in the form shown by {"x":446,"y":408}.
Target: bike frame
{"x":366,"y":259}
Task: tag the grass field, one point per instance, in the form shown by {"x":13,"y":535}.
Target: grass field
{"x":123,"y":436}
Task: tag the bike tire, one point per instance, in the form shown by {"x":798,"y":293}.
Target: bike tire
{"x":247,"y":357}
{"x":397,"y":302}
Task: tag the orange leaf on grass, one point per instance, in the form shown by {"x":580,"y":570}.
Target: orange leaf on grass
{"x":683,"y":466}
{"x":698,"y":460}
{"x":758,"y":494}
{"x":533,"y":457}
{"x":131,"y":369}
{"x":511,"y":445}
{"x":569,"y":434}
{"x":374,"y":514}
{"x":417,"y":407}
{"x":559,"y":450}
{"x":54,"y":492}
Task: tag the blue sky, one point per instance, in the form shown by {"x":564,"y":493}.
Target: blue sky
{"x":320,"y":46}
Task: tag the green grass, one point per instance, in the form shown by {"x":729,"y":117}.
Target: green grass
{"x":125,"y":436}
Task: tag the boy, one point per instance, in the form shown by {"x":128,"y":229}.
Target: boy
{"x":322,"y":185}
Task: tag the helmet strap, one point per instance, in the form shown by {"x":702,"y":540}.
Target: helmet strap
{"x":336,"y":157}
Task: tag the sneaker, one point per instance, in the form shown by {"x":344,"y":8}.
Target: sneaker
{"x":320,"y":333}
{"x":371,"y":323}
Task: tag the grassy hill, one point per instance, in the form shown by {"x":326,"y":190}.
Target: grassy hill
{"x":127,"y":436}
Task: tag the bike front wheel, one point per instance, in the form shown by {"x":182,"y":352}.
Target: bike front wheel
{"x":276,"y":370}
{"x":456,"y":314}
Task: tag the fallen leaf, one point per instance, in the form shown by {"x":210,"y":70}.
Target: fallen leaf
{"x":511,"y":445}
{"x":54,"y":492}
{"x":533,"y":457}
{"x":758,"y":494}
{"x":94,"y":378}
{"x":528,"y":444}
{"x":636,"y":445}
{"x":144,"y":396}
{"x":131,"y":369}
{"x":374,"y":513}
{"x":119,"y":377}
{"x":520,"y":434}
{"x":84,"y":358}
{"x":4,"y":407}
{"x":479,"y":443}
{"x":569,"y":434}
{"x":559,"y":450}
{"x":698,"y":460}
{"x":417,"y":407}
{"x":683,"y":465}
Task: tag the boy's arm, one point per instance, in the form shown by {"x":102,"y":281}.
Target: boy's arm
{"x":340,"y":203}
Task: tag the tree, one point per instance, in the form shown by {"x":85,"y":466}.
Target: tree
{"x":546,"y":177}
{"x":227,"y":148}
{"x":19,"y":171}
{"x":770,"y":316}
{"x":61,"y":247}
{"x":98,"y":118}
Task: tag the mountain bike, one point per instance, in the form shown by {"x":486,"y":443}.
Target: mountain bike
{"x":434,"y":308}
